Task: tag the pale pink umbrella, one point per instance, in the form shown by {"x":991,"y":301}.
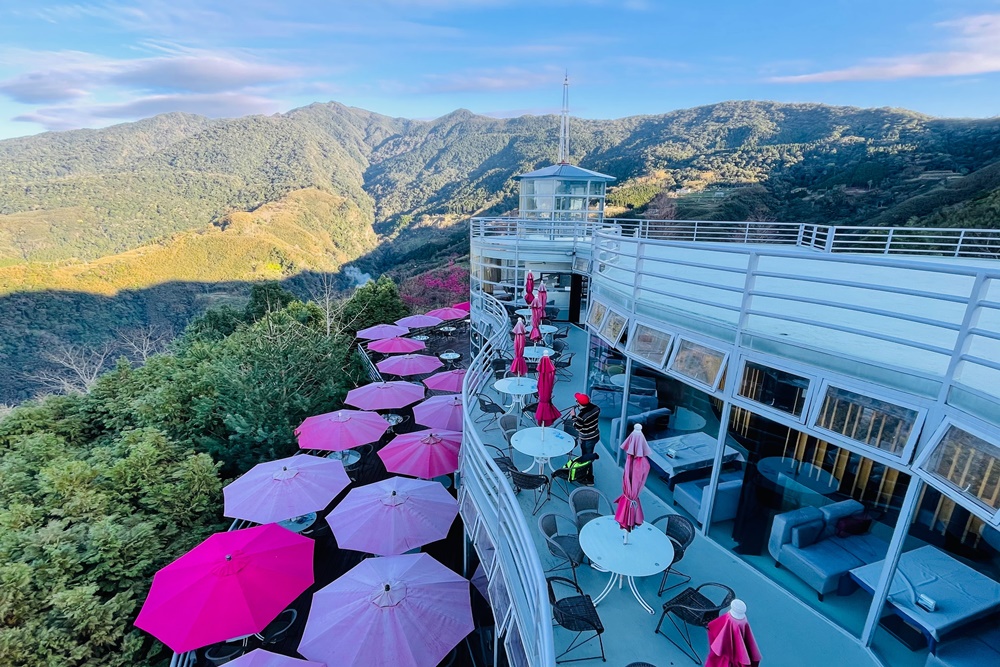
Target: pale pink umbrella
{"x":380,"y":331}
{"x":546,"y":414}
{"x":629,"y":511}
{"x":519,"y":366}
{"x":231,"y":585}
{"x":285,"y":488}
{"x":419,"y":321}
{"x":446,"y":380}
{"x":529,"y":288}
{"x":404,"y":611}
{"x":537,"y":313}
{"x":393,"y":516}
{"x":440,"y":412}
{"x":448,"y":313}
{"x":261,"y":658}
{"x":396,"y":345}
{"x":425,"y":454}
{"x":385,"y":395}
{"x":340,"y":430}
{"x":409,"y":364}
{"x":465,"y":305}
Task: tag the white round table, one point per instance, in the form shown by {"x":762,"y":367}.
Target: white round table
{"x":543,"y":444}
{"x":617,"y":380}
{"x":647,"y":552}
{"x":348,"y":457}
{"x":449,"y":357}
{"x":546,"y":329}
{"x":536,"y":352}
{"x":300,"y":523}
{"x":687,"y":420}
{"x":421,"y":338}
{"x":523,"y":312}
{"x":517,"y":388}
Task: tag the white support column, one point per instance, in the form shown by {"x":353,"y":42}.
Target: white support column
{"x":713,"y":481}
{"x":618,"y":436}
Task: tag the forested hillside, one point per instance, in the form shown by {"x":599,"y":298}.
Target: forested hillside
{"x":190,"y":202}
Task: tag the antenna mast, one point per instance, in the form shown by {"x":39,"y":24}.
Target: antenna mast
{"x":564,"y":124}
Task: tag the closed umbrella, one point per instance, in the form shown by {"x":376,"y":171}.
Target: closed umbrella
{"x":231,"y":585}
{"x":448,"y":313}
{"x":529,"y":288}
{"x":409,"y":364}
{"x":730,"y":641}
{"x":443,"y":412}
{"x":261,"y":658}
{"x":426,"y":454}
{"x":537,"y":313}
{"x":396,"y":345}
{"x":385,"y":395}
{"x":546,"y":414}
{"x":340,"y":430}
{"x":393,"y":516}
{"x":419,"y":321}
{"x":629,"y":511}
{"x":404,"y":611}
{"x":519,"y":366}
{"x":285,"y":488}
{"x":446,"y":380}
{"x":380,"y":331}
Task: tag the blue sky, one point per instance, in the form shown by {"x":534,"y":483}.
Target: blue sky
{"x":95,"y":63}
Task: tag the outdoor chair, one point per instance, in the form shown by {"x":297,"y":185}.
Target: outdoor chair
{"x":220,"y":654}
{"x":529,"y":411}
{"x":540,"y":485}
{"x":561,"y":542}
{"x":578,"y":614}
{"x":509,"y":424}
{"x":278,"y":629}
{"x":500,"y":367}
{"x":558,"y":345}
{"x":503,"y":461}
{"x":587,"y":503}
{"x":681,"y":532}
{"x":561,"y":332}
{"x":582,"y":476}
{"x":490,"y":411}
{"x":355,"y":471}
{"x":562,"y":365}
{"x":693,"y":607}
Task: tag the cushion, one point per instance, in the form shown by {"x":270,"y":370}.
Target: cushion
{"x":806,"y":533}
{"x":836,"y":511}
{"x":858,"y":523}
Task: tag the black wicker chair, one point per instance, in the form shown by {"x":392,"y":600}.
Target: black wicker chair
{"x":561,"y":332}
{"x":541,"y":485}
{"x":562,"y":365}
{"x":587,"y":503}
{"x":503,"y":461}
{"x":562,"y":544}
{"x":491,"y":411}
{"x":278,"y":629}
{"x":692,"y":607}
{"x":578,"y":614}
{"x":681,"y":532}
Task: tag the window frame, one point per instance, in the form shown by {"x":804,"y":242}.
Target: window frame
{"x":671,"y":338}
{"x":768,"y":409}
{"x":594,"y":302}
{"x":607,"y":316}
{"x":679,"y":339}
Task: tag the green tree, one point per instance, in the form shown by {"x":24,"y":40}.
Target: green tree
{"x":375,"y":302}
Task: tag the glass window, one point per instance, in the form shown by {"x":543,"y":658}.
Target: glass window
{"x":869,"y":421}
{"x":545,"y":187}
{"x":650,"y":344}
{"x":595,"y":204}
{"x":571,"y":188}
{"x":614,"y":325}
{"x":697,"y":362}
{"x":774,"y":388}
{"x":597,"y":188}
{"x":597,"y":312}
{"x":527,"y":187}
{"x":967,"y":465}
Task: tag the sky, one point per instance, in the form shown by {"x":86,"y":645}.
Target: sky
{"x":67,"y":65}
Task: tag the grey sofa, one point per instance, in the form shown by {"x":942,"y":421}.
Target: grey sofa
{"x":654,"y":422}
{"x":805,"y":542}
{"x":691,"y":496}
{"x":970,"y":650}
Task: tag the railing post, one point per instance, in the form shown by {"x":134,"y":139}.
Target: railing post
{"x":958,"y":246}
{"x":798,"y":238}
{"x":888,"y":243}
{"x":831,"y":232}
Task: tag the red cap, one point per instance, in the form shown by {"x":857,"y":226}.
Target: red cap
{"x":582,"y":399}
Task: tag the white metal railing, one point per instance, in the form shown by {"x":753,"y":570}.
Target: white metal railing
{"x":973,"y":243}
{"x":496,"y":506}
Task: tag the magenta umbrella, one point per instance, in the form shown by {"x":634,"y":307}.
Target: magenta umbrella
{"x":537,"y":313}
{"x":448,"y":313}
{"x":340,"y":430}
{"x":393,"y":516}
{"x":440,"y":412}
{"x":519,"y":366}
{"x":404,"y":611}
{"x":546,"y":413}
{"x":409,"y":364}
{"x":380,"y":331}
{"x":425,"y":454}
{"x":419,"y":321}
{"x":231,"y":585}
{"x":465,"y":305}
{"x":385,"y":395}
{"x":261,"y":658}
{"x":529,"y":288}
{"x":285,"y":488}
{"x":446,"y":380}
{"x":629,"y":511}
{"x":396,"y":345}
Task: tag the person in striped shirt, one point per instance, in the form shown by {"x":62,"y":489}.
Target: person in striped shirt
{"x":585,"y":421}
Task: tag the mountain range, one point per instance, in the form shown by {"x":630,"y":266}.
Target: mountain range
{"x":149,"y":222}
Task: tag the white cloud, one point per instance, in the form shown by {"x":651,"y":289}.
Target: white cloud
{"x":487,"y":80}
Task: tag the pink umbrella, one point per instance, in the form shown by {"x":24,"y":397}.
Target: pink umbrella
{"x":409,"y":364}
{"x":419,"y":321}
{"x":465,"y":305}
{"x":629,"y":511}
{"x":261,"y":658}
{"x":519,"y":366}
{"x":285,"y":488}
{"x":404,"y":611}
{"x":448,"y":313}
{"x":380,"y":331}
{"x":396,"y":345}
{"x":424,"y":454}
{"x":385,"y":395}
{"x":446,"y":380}
{"x":730,"y":641}
{"x":393,"y":516}
{"x":231,"y":585}
{"x":546,"y":413}
{"x":537,"y":313}
{"x":440,"y":412}
{"x":340,"y":430}
{"x":529,"y":287}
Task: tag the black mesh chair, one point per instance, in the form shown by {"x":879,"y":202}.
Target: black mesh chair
{"x":508,"y":425}
{"x":562,"y":365}
{"x":503,"y":461}
{"x":562,"y":542}
{"x":491,"y":411}
{"x":587,"y":503}
{"x":693,"y":607}
{"x":558,"y":345}
{"x":561,"y":332}
{"x":578,"y":614}
{"x":278,"y":629}
{"x":681,"y":532}
{"x":540,"y":485}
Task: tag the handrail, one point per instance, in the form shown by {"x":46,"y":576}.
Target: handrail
{"x":495,"y":503}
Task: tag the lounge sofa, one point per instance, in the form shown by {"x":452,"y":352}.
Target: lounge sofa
{"x":969,"y":650}
{"x":805,"y":541}
{"x":691,"y":496}
{"x":654,"y":422}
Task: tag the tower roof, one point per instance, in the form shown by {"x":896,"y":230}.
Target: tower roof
{"x":566,"y":171}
